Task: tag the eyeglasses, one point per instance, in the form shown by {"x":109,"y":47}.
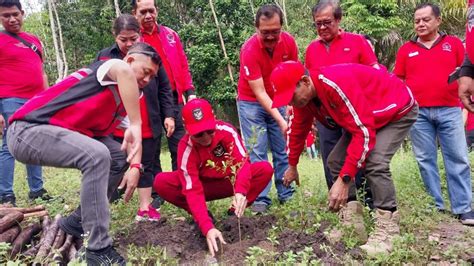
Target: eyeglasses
{"x":325,"y":23}
{"x":266,"y":33}
{"x":201,"y":134}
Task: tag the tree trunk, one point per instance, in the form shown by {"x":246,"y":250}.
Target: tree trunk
{"x":117,"y":8}
{"x":61,"y":43}
{"x":59,"y":62}
{"x":221,"y":39}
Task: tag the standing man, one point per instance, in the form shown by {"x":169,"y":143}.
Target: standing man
{"x":376,"y":111}
{"x":168,"y":45}
{"x":20,"y":53}
{"x":334,"y":46}
{"x":425,"y":63}
{"x":261,"y":124}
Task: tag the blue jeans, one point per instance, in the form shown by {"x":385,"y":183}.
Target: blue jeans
{"x":446,"y":125}
{"x":8,"y":106}
{"x":259,"y":130}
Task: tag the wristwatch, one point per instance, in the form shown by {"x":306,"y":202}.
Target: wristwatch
{"x":139,"y":166}
{"x":346,"y":179}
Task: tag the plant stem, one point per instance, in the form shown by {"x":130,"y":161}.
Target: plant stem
{"x":240,"y":232}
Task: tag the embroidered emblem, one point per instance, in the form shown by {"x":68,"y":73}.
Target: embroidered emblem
{"x":219,"y":150}
{"x":347,"y":49}
{"x":413,"y":54}
{"x":170,"y":38}
{"x":197,"y":114}
{"x":446,"y":47}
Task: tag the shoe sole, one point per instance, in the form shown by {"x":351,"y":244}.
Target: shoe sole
{"x":145,"y":219}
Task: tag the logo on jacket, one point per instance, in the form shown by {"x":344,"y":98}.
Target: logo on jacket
{"x":347,"y":49}
{"x":446,"y":47}
{"x":170,"y":38}
{"x":197,"y":114}
{"x":219,"y":150}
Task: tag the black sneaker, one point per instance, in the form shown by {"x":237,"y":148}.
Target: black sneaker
{"x":105,"y":256}
{"x":72,"y":225}
{"x":41,"y":194}
{"x":157,"y":202}
{"x":8,"y":199}
{"x":467,"y":218}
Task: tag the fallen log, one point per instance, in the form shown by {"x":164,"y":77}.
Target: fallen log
{"x":9,"y":218}
{"x":9,"y":235}
{"x":24,"y":210}
{"x":24,"y":238}
{"x":35,"y":214}
{"x":60,"y":255}
{"x":45,"y":246}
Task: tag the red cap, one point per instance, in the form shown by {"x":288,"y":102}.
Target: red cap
{"x":198,"y":116}
{"x":284,"y":78}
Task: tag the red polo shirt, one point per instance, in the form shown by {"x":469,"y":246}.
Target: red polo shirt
{"x":345,"y":48}
{"x":21,"y":69}
{"x":426,"y":71}
{"x":255,"y":63}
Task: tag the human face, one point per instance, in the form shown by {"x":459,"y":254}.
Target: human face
{"x":204,"y":138}
{"x":326,"y":25}
{"x":269,"y":30}
{"x":12,"y":18}
{"x":143,"y":67}
{"x":426,"y":23}
{"x":303,"y":93}
{"x":125,"y":39}
{"x":146,"y":14}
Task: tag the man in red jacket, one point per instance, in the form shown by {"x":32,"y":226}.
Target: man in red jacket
{"x":213,"y":164}
{"x":376,"y":111}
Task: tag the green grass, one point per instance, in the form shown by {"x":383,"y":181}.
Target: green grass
{"x":418,"y":217}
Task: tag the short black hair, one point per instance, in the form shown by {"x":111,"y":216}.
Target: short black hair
{"x":10,"y":3}
{"x":325,"y":3}
{"x":145,"y":49}
{"x":435,"y":8}
{"x":268,"y":11}
{"x":125,"y":22}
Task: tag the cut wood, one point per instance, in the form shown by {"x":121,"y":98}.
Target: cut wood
{"x":24,"y":210}
{"x":9,"y":218}
{"x":9,"y":235}
{"x":35,"y":214}
{"x":60,"y":255}
{"x":48,"y":237}
{"x":24,"y":238}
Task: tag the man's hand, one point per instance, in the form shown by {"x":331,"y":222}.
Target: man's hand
{"x":211,"y":237}
{"x":133,"y":138}
{"x":338,"y":195}
{"x":290,"y":175}
{"x":130,"y":182}
{"x":169,"y":126}
{"x":240,"y":203}
{"x":283,"y":126}
{"x":465,"y":91}
{"x":2,"y":122}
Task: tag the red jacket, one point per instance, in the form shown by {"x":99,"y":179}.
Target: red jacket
{"x":174,"y":58}
{"x":197,"y":163}
{"x":358,"y":98}
{"x":78,"y":103}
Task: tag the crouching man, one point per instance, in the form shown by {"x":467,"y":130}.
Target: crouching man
{"x":212,"y":164}
{"x":69,"y":125}
{"x":376,"y":110}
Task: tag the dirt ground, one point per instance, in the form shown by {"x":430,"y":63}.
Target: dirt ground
{"x":450,"y":236}
{"x":183,"y":240}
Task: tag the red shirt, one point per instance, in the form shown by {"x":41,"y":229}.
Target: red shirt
{"x":426,"y":71}
{"x":168,"y":45}
{"x":255,"y":63}
{"x":193,"y":160}
{"x":21,"y":68}
{"x":147,"y":132}
{"x":345,"y":48}
{"x":309,"y":139}
{"x":470,"y":121}
{"x":358,"y":98}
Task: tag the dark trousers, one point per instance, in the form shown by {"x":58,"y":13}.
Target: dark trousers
{"x":470,"y":139}
{"x":173,"y":140}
